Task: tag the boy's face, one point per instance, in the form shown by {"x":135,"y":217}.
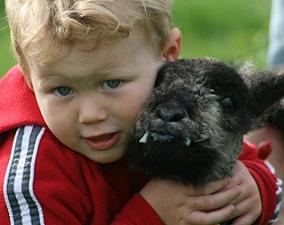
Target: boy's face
{"x":89,"y":100}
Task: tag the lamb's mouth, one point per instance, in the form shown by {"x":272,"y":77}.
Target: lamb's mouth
{"x":165,"y":138}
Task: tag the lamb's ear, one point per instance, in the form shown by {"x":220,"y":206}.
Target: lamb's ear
{"x":265,"y":90}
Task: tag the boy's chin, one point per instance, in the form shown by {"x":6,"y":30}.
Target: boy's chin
{"x":106,"y":156}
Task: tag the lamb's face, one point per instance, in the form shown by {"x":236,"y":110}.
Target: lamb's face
{"x":195,"y":119}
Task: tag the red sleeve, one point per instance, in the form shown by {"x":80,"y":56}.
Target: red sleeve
{"x":137,"y":211}
{"x":266,"y":181}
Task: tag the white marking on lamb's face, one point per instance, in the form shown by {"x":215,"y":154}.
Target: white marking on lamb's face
{"x":187,"y":141}
{"x":210,"y":117}
{"x":176,"y":83}
{"x":144,"y":139}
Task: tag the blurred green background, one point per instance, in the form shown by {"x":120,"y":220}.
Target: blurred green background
{"x":232,"y":30}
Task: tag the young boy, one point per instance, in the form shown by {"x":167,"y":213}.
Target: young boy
{"x":67,"y":111}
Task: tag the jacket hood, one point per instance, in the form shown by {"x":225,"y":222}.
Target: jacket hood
{"x":18,"y":106}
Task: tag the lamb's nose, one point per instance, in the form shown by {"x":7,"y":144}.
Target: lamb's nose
{"x":170,"y":113}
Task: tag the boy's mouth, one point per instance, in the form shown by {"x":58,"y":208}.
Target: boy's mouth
{"x":103,"y":142}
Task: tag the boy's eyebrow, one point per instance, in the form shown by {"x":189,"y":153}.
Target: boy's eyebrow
{"x":48,"y":77}
{"x":119,"y":71}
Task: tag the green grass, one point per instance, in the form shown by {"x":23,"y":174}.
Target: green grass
{"x":231,"y":30}
{"x":6,"y":58}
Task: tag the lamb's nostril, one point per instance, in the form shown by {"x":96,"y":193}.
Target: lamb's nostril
{"x":171,"y":114}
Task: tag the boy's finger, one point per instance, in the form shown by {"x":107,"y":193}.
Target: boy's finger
{"x":246,"y":213}
{"x":244,"y":219}
{"x":217,"y":200}
{"x":214,"y":217}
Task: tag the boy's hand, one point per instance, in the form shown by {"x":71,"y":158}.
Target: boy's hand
{"x":248,"y":203}
{"x":179,"y":204}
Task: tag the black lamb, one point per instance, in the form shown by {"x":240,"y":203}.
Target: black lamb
{"x":191,"y":129}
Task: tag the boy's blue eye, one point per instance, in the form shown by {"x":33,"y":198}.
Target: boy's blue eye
{"x":111,"y":84}
{"x":63,"y":91}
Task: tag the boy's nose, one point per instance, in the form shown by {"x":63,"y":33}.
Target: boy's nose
{"x":92,"y":111}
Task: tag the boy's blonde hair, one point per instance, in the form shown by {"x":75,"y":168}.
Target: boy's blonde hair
{"x":42,"y":31}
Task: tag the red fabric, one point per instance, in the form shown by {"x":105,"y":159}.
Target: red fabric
{"x":18,"y":104}
{"x":264,"y":150}
{"x":265,"y":180}
{"x":138,"y":206}
{"x":74,"y":190}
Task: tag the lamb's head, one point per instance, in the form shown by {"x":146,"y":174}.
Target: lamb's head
{"x":192,"y":127}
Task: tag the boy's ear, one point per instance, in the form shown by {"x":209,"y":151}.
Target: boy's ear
{"x":173,"y":48}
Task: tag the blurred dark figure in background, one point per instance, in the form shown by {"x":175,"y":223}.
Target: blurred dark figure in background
{"x":276,"y":34}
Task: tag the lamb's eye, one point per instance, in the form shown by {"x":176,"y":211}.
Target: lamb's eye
{"x":227,"y":103}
